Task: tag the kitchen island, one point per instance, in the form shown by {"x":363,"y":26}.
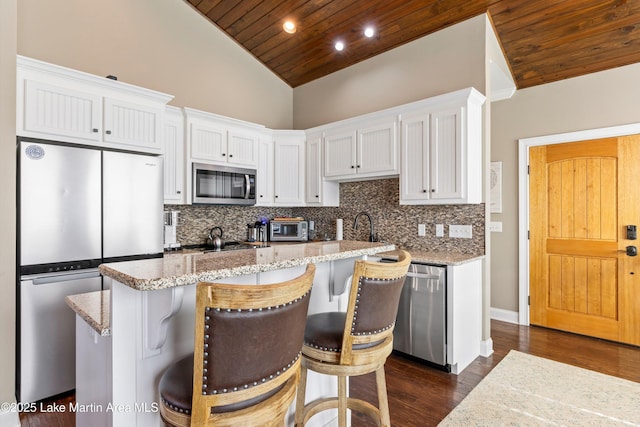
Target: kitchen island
{"x":152,"y":305}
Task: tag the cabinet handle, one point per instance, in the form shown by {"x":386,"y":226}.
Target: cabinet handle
{"x":178,"y":192}
{"x":95,"y":130}
{"x":353,"y":167}
{"x":358,"y":166}
{"x":276,"y":197}
{"x":261,"y":195}
{"x":223,"y":154}
{"x":230,"y":155}
{"x":424,"y":191}
{"x":317,"y":196}
{"x":433,"y":190}
{"x":108,"y":132}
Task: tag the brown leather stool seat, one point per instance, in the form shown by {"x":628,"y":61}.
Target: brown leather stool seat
{"x":356,"y":342}
{"x":246,"y":362}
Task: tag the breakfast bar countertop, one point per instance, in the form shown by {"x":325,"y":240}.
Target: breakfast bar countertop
{"x":93,"y":307}
{"x":184,"y":269}
{"x":435,"y":257}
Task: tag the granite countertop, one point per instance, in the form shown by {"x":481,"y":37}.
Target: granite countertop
{"x":181,"y":269}
{"x":93,"y":307}
{"x":439,"y":258}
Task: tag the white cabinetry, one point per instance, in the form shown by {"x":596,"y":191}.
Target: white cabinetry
{"x":173,"y":149}
{"x":289,"y":170}
{"x":217,"y":139}
{"x":442,"y":150}
{"x":264,"y":176}
{"x":319,"y":192}
{"x":361,"y":149}
{"x":71,"y":106}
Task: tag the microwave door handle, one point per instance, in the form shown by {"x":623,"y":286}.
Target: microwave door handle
{"x":247,"y":186}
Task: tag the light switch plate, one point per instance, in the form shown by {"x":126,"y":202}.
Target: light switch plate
{"x":422,"y":230}
{"x":460,"y":231}
{"x":495,"y":226}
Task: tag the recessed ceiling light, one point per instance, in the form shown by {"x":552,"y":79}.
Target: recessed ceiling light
{"x":369,"y":32}
{"x":339,"y":46}
{"x":289,"y":27}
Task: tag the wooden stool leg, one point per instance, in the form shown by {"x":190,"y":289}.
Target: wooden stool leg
{"x":383,"y":403}
{"x":342,"y":401}
{"x":302,"y":389}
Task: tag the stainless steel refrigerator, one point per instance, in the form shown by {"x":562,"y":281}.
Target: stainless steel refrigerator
{"x":77,"y":208}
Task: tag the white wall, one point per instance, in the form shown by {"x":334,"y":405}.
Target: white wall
{"x":8,"y":12}
{"x":603,"y":99}
{"x":442,"y":62}
{"x":159,"y":44}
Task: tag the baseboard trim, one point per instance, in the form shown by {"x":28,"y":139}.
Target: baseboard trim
{"x":504,"y":315}
{"x":9,"y":419}
{"x":486,"y":347}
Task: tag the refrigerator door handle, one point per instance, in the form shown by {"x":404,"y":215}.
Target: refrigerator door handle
{"x":64,"y":278}
{"x":423,"y":276}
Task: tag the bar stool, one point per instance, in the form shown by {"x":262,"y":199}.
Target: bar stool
{"x":246,"y":363}
{"x":356,"y":342}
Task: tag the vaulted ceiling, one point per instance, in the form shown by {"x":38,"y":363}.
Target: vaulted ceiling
{"x":543,"y":40}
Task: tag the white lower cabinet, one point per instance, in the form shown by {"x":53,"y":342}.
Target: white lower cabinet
{"x":289,"y":168}
{"x":441,"y":150}
{"x":173,"y":149}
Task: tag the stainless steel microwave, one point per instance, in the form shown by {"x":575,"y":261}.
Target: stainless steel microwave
{"x":288,"y":231}
{"x":223,"y":185}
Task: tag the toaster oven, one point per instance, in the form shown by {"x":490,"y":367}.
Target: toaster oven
{"x":288,"y":231}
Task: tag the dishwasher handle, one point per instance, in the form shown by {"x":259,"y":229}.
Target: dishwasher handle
{"x":423,"y":275}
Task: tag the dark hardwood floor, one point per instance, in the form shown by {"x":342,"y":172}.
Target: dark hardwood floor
{"x":423,"y":396}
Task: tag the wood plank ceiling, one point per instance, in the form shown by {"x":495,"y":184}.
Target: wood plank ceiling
{"x":543,"y":40}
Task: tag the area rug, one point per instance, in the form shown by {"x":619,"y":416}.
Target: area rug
{"x":525,"y":390}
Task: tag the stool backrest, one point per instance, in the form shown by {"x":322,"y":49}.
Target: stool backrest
{"x":248,"y":339}
{"x":373,"y":307}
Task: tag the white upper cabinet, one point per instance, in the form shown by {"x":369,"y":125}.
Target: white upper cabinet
{"x":265,"y":173}
{"x":319,"y":192}
{"x":441,"y":150}
{"x":357,"y":149}
{"x":173,"y":149}
{"x":65,"y":105}
{"x":217,"y":139}
{"x":289,"y":168}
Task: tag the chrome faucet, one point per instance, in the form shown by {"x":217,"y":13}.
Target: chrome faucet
{"x":372,"y":236}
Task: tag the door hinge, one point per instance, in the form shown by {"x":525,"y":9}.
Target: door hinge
{"x":528,"y":169}
{"x":529,"y":300}
{"x":528,"y":235}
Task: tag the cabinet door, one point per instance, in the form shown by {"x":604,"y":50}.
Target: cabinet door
{"x":446,"y":176}
{"x":414,"y":178}
{"x":132,"y":124}
{"x":208,"y":142}
{"x":340,"y":154}
{"x":314,"y":170}
{"x":377,"y":149}
{"x":264,"y":184}
{"x":289,"y":173}
{"x":55,"y":110}
{"x":243,"y":148}
{"x":173,"y":146}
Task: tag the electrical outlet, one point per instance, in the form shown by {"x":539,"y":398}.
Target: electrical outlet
{"x":422,"y":230}
{"x":312,"y":225}
{"x":460,"y":231}
{"x":439,"y":230}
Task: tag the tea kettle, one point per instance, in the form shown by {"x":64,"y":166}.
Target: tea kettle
{"x":215,"y":241}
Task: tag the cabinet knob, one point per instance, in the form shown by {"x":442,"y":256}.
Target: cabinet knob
{"x":424,"y":191}
{"x":317,"y":196}
{"x":223,"y":154}
{"x":108,"y":132}
{"x":178,"y":192}
{"x":433,"y":190}
{"x":358,"y":166}
{"x":230,"y":155}
{"x":261,"y":195}
{"x":94,"y":130}
{"x":276,"y":197}
{"x":353,"y":167}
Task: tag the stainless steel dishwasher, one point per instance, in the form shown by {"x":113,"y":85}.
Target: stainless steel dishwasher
{"x":421,"y":327}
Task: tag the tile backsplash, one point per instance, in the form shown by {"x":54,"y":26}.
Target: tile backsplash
{"x":379,"y":198}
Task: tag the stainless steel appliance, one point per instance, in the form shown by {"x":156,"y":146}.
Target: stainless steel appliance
{"x":288,"y":231}
{"x":223,"y":185}
{"x":421,"y":327}
{"x":77,"y":207}
{"x":170,"y":230}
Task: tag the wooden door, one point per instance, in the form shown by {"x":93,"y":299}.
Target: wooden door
{"x":582,"y":197}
